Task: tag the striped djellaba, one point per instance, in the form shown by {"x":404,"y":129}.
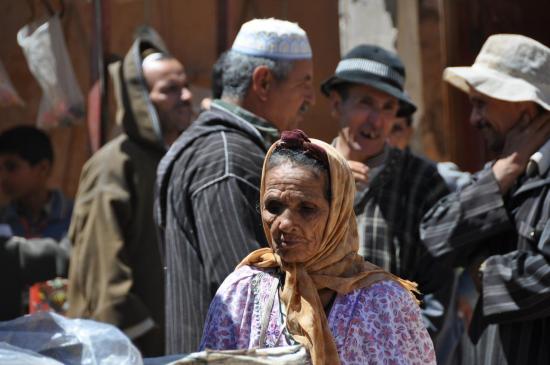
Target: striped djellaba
{"x":511,"y":235}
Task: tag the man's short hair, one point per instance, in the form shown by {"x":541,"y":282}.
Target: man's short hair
{"x":237,"y":75}
{"x":150,"y":56}
{"x":29,"y":143}
{"x":342,"y":89}
{"x":217,"y":76}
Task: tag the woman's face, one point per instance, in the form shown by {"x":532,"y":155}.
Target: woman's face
{"x":296,"y":210}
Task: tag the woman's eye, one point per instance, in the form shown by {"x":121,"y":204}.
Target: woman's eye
{"x":273,"y":207}
{"x":308,"y":209}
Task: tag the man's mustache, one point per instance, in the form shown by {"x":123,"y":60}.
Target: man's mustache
{"x":482,"y":125}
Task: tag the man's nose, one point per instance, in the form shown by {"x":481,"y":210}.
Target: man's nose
{"x":375,"y":118}
{"x":310,"y":95}
{"x":186,"y":94}
{"x":475,"y":116}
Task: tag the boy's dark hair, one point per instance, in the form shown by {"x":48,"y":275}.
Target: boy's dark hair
{"x":29,"y":143}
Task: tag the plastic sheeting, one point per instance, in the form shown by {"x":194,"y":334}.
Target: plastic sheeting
{"x":44,"y":48}
{"x":46,"y":338}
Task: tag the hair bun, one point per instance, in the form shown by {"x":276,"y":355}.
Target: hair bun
{"x":297,"y":140}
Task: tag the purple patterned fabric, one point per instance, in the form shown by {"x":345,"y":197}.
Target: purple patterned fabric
{"x":377,"y":325}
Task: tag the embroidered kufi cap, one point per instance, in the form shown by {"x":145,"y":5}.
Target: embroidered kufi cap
{"x":509,"y":67}
{"x":375,"y":67}
{"x":272,"y":38}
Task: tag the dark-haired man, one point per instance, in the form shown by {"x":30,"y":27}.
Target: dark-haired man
{"x":394,"y":188}
{"x":116,"y":272}
{"x":209,"y":181}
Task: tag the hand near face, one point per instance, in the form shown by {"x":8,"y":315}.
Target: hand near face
{"x":524,"y":139}
{"x":360,"y":172}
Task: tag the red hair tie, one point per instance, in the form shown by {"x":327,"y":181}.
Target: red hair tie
{"x":297,"y":140}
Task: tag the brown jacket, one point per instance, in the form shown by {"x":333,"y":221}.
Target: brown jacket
{"x":115,"y":273}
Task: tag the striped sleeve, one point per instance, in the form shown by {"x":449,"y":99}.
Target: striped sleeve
{"x":455,"y":226}
{"x":516,"y":286}
{"x":224,"y":240}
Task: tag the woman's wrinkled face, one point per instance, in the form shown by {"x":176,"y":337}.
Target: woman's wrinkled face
{"x":295,"y":209}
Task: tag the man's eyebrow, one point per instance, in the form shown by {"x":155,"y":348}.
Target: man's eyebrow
{"x":390,"y":102}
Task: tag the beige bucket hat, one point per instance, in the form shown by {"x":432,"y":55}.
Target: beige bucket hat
{"x":509,"y":67}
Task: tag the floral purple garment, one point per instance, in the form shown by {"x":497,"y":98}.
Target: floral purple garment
{"x":377,"y":325}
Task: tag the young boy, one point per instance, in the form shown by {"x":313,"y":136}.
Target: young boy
{"x":26,"y":161}
{"x":32,"y":225}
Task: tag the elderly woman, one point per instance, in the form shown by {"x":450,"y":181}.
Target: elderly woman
{"x":311,"y":287}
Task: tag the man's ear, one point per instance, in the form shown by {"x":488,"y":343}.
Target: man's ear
{"x":335,"y":104}
{"x":533,"y":110}
{"x":262,"y":80}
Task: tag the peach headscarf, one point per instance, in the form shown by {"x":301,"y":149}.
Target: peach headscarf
{"x":336,"y":266}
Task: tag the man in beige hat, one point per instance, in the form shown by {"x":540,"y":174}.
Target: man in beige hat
{"x":208,"y":183}
{"x":500,"y":223}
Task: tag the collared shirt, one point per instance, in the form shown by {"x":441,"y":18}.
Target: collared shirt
{"x":269,"y":133}
{"x":376,"y":163}
{"x":542,"y":158}
{"x":53,"y":223}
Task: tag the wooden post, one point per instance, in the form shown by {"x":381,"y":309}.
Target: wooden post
{"x":97,"y":96}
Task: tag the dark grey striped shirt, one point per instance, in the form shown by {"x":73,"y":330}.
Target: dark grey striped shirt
{"x":207,"y":210}
{"x":389,"y":212}
{"x":511,"y":323}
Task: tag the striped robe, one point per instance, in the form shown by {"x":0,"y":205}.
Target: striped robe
{"x":389,"y":211}
{"x":511,"y":323}
{"x":207,"y":212}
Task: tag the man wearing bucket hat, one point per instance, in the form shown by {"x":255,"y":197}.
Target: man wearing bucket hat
{"x":208,"y":183}
{"x":500,"y":223}
{"x":394,"y":188}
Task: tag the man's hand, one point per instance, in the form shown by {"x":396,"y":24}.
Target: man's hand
{"x":360,"y":172}
{"x":524,"y":139}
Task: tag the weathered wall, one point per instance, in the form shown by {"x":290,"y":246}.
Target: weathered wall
{"x":71,"y":147}
{"x":320,"y":20}
{"x":190,"y":30}
{"x":466,"y":26}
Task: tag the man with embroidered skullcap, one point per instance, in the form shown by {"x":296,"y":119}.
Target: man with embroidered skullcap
{"x":394,"y":187}
{"x":500,"y":223}
{"x":208,"y":183}
{"x":116,"y":271}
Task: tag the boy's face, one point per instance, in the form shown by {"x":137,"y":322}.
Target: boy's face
{"x":18,"y":178}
